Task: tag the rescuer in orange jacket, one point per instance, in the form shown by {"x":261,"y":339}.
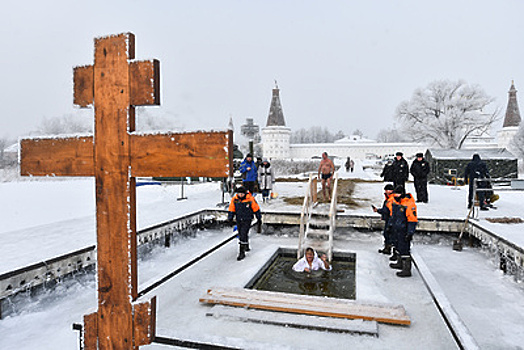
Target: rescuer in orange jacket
{"x":402,"y":223}
{"x":244,"y":206}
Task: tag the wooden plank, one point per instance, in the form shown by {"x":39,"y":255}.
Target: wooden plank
{"x":181,"y":154}
{"x":329,"y":324}
{"x":116,"y":275}
{"x":83,"y":90}
{"x":305,"y":304}
{"x":72,"y":156}
{"x":90,"y":332}
{"x":144,"y":322}
{"x":144,"y":83}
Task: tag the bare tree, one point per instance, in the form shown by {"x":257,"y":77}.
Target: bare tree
{"x":66,"y":124}
{"x":446,"y":113}
{"x":390,"y":135}
{"x":517,"y":144}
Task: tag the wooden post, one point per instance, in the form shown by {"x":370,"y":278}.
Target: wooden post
{"x":115,"y":156}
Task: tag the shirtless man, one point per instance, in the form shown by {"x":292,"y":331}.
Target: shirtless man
{"x":326,"y":168}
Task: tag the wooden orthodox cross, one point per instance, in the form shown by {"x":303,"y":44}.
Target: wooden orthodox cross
{"x":115,"y":156}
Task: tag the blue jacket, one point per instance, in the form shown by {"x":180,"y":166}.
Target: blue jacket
{"x":248,"y":175}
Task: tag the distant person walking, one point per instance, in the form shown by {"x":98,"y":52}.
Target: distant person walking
{"x":249,"y":173}
{"x":326,"y":169}
{"x":477,"y":169}
{"x":348,"y":164}
{"x":352,"y":165}
{"x":266,"y":179}
{"x":420,"y":170}
{"x":399,"y":170}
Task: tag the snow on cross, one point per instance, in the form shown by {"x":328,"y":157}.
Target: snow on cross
{"x":114,"y":85}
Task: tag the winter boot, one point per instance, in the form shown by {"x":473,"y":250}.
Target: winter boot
{"x":395,"y":255}
{"x":406,"y":267}
{"x":385,"y":250}
{"x":397,"y":265}
{"x":241,"y":252}
{"x":247,"y":247}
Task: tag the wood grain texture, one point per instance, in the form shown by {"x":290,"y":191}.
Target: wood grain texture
{"x":144,"y":322}
{"x":145,"y":83}
{"x":83,"y":86}
{"x":183,"y":154}
{"x":57,"y":157}
{"x":90,"y":332}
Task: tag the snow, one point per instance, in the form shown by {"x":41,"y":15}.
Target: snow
{"x":45,"y":218}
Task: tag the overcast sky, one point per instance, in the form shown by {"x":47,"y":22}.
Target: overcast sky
{"x":345,"y":65}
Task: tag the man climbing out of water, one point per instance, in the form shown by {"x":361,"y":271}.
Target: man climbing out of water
{"x":402,"y":223}
{"x":244,"y":206}
{"x":384,"y":215}
{"x":311,"y":262}
{"x":326,"y":169}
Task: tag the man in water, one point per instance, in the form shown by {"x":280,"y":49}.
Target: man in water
{"x":311,"y":262}
{"x":327,"y":169}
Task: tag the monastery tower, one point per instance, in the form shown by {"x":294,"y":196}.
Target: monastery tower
{"x":276,"y":136}
{"x":511,"y":120}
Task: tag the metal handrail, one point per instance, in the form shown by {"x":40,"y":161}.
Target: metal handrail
{"x":332,"y":217}
{"x":305,"y":212}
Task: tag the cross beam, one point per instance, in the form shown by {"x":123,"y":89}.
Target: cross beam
{"x":115,"y":156}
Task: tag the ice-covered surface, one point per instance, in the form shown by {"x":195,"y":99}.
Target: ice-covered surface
{"x":42,"y":219}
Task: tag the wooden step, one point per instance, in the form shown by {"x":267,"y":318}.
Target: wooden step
{"x":306,"y":304}
{"x":317,"y":233}
{"x":285,"y":319}
{"x":320,"y":246}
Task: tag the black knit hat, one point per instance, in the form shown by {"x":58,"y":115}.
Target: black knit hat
{"x":399,"y":154}
{"x":419,"y":155}
{"x":389,"y":187}
{"x":399,"y":189}
{"x":241,"y":189}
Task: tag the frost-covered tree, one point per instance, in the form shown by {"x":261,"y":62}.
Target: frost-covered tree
{"x":446,"y":113}
{"x":390,"y":135}
{"x":315,"y":134}
{"x":66,"y":124}
{"x":517,"y":144}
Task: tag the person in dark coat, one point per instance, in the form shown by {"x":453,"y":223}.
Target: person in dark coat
{"x":476,"y":169}
{"x":244,"y":207}
{"x":384,"y":215}
{"x":386,"y":173}
{"x":420,"y":170}
{"x":248,"y":169}
{"x":399,"y":170}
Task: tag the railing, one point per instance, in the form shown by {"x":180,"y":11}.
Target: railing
{"x":305,"y":213}
{"x":333,"y":217}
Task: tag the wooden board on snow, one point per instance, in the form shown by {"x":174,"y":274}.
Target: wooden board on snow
{"x":306,"y":304}
{"x":329,"y":324}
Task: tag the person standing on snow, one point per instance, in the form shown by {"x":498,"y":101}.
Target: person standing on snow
{"x":399,"y":170}
{"x":244,"y":206}
{"x":402,"y":224}
{"x":384,"y":215}
{"x":420,"y":170}
{"x":326,"y":169}
{"x":266,"y":179}
{"x":477,"y":169}
{"x":249,"y":173}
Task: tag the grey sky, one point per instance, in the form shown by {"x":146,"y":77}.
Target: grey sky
{"x":341,"y":64}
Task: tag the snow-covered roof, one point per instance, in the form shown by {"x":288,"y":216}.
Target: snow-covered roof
{"x":488,"y":153}
{"x":354,"y":139}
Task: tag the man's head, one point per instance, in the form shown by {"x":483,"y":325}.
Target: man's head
{"x":324,"y":155}
{"x":420,"y":156}
{"x":241,"y":191}
{"x":310,"y":254}
{"x":399,"y":155}
{"x":399,"y":191}
{"x":249,"y":157}
{"x":388,"y":189}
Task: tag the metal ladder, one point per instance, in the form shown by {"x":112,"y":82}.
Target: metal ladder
{"x":317,"y":232}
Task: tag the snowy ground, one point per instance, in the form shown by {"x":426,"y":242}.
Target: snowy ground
{"x":43,"y":219}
